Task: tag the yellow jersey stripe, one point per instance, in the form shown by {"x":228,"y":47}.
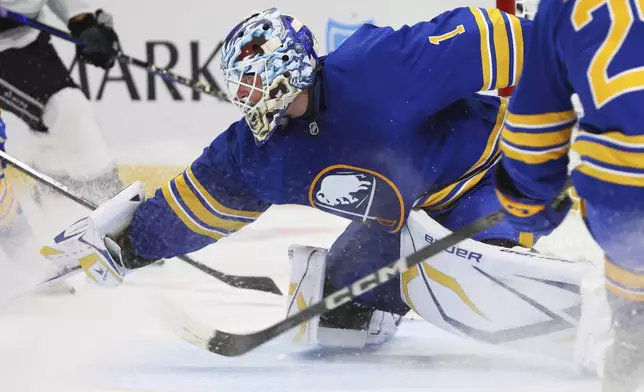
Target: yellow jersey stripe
{"x":622,"y":276}
{"x":438,"y":197}
{"x":215,"y":204}
{"x":486,"y":52}
{"x":490,"y":154}
{"x":610,"y":175}
{"x":544,"y":139}
{"x":543,"y":120}
{"x":624,"y":293}
{"x":185,"y":217}
{"x":491,"y":150}
{"x":616,"y":138}
{"x":194,"y":204}
{"x":439,"y":200}
{"x":609,"y":155}
{"x":517,"y":43}
{"x":501,"y":48}
{"x":469,"y":184}
{"x":532,"y":157}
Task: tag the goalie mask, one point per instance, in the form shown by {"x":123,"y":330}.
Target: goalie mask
{"x":267,"y":60}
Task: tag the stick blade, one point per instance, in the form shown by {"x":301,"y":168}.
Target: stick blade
{"x":260,"y":283}
{"x":204,"y":337}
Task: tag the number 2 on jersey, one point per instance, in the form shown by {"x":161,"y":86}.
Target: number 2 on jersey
{"x":604,"y":88}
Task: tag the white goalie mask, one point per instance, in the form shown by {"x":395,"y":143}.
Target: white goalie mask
{"x":267,"y":60}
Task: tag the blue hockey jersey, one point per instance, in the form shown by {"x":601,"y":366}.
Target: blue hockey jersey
{"x":399,"y":125}
{"x":592,"y":48}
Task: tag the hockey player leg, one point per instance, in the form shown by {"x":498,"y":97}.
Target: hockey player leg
{"x":354,"y":325}
{"x":68,"y":141}
{"x":619,"y":235}
{"x":73,"y":150}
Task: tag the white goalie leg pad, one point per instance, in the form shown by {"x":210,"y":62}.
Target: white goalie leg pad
{"x":74,"y":145}
{"x":91,"y":243}
{"x":306,"y":287}
{"x":513,"y":297}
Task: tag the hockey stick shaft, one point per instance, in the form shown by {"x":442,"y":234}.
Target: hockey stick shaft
{"x":163,"y":72}
{"x":229,"y":344}
{"x":260,"y":283}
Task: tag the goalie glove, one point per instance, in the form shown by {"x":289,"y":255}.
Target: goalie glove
{"x":95,"y":242}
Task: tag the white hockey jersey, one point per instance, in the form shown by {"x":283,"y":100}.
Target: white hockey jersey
{"x":22,"y":36}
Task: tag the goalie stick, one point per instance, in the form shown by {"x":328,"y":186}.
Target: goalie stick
{"x":260,"y":283}
{"x":197,"y":85}
{"x":232,"y":344}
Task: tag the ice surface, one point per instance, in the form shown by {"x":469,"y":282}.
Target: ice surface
{"x":117,"y":339}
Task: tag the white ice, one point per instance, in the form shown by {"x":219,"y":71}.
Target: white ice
{"x":118,"y":339}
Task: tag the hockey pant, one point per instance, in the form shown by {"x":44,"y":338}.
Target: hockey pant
{"x":360,"y":250}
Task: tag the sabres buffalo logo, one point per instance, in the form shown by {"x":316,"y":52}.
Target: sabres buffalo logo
{"x":358,"y":194}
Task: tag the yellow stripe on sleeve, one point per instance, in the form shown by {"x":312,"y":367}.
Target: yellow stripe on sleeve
{"x":491,"y":153}
{"x":184,"y":217}
{"x":501,"y":48}
{"x":439,"y":200}
{"x":609,"y":155}
{"x":611,"y":176}
{"x":616,"y":137}
{"x":486,"y":53}
{"x":492,"y":141}
{"x":215,"y":204}
{"x":543,"y":139}
{"x":534,"y":158}
{"x":194,"y":204}
{"x":590,"y":145}
{"x":517,"y":34}
{"x":543,"y":120}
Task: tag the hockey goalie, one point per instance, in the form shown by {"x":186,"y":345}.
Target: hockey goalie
{"x":389,"y":131}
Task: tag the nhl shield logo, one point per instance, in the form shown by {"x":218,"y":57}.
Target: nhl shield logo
{"x":358,"y":194}
{"x":337,"y":33}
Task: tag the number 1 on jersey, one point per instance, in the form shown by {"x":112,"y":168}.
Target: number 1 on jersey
{"x":604,"y":88}
{"x":437,"y":39}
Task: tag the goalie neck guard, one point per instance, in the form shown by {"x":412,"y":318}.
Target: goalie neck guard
{"x":267,"y":60}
